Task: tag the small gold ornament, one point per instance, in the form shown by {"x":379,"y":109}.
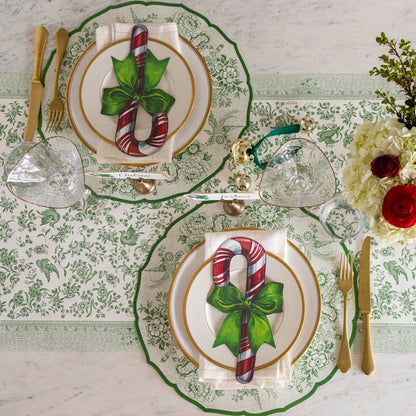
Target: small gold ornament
{"x":242,"y":151}
{"x":307,"y":125}
{"x":243,"y":182}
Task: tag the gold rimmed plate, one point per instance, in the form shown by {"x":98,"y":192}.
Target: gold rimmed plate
{"x":177,"y":81}
{"x":203,"y":322}
{"x":188,"y":130}
{"x":189,"y":267}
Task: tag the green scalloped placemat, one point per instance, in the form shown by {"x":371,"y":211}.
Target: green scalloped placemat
{"x":231,"y":98}
{"x":314,"y":368}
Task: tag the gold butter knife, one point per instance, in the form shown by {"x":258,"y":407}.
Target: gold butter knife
{"x":364,"y":294}
{"x":41,"y":35}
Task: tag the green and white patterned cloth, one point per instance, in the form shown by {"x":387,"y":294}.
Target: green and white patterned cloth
{"x":68,"y":278}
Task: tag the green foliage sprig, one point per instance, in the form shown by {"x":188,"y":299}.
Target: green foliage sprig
{"x":399,"y":66}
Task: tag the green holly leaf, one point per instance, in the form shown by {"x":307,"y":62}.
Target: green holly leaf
{"x":156,"y":101}
{"x":225,"y":298}
{"x":153,"y":100}
{"x":230,"y":332}
{"x":269,"y":299}
{"x":258,"y":330}
{"x":126,"y":72}
{"x":115,"y":100}
{"x":153,"y":71}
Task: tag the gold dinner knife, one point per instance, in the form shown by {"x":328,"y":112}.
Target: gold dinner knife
{"x":41,"y":35}
{"x":367,"y":364}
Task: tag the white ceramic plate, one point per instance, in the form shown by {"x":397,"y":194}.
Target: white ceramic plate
{"x":176,"y":81}
{"x":203,"y":321}
{"x":190,"y":128}
{"x":189,"y":267}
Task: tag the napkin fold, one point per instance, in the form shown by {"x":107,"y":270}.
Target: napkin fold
{"x":276,"y":374}
{"x":105,"y":35}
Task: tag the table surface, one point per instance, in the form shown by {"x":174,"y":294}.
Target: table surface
{"x":274,"y":37}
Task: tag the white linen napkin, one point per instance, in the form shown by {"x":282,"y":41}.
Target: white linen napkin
{"x":105,"y":35}
{"x":274,"y":375}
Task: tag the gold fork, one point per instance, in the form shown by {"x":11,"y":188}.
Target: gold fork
{"x":345,"y":283}
{"x":56,"y":107}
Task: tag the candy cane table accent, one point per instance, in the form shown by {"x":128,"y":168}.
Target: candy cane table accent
{"x":125,"y":139}
{"x":256,"y":273}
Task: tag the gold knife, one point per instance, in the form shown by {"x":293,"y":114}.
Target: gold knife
{"x":367,"y":364}
{"x":41,"y":35}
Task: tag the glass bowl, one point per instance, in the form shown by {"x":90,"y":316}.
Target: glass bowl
{"x":339,"y":219}
{"x":298,"y":175}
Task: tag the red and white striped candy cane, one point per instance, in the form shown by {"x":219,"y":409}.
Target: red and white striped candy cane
{"x":256,"y":273}
{"x":125,"y":139}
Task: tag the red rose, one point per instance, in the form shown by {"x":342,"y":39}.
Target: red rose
{"x":399,"y":206}
{"x":386,"y":166}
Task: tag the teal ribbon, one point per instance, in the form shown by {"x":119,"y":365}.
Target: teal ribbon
{"x":228,"y":299}
{"x":289,"y":129}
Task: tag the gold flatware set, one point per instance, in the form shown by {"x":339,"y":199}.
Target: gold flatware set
{"x":56,"y":107}
{"x":364,"y":296}
{"x":41,"y":36}
{"x":346,"y":283}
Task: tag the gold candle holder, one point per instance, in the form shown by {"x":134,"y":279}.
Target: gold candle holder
{"x":234,"y":207}
{"x":144,"y":186}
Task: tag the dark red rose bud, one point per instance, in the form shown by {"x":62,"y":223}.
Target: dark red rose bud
{"x":386,"y":166}
{"x":399,"y":206}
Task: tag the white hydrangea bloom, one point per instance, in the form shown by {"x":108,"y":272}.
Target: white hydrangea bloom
{"x":366,"y":191}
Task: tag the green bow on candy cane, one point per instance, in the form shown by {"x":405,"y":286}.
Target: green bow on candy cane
{"x":228,"y":299}
{"x":153,"y":100}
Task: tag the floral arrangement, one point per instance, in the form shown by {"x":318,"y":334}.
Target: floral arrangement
{"x":380,"y":177}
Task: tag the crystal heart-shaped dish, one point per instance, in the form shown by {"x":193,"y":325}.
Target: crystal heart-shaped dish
{"x":298,"y":175}
{"x":49,"y":174}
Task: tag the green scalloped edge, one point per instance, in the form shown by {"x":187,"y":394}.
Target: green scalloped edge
{"x":158,"y":3}
{"x":175,"y":386}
